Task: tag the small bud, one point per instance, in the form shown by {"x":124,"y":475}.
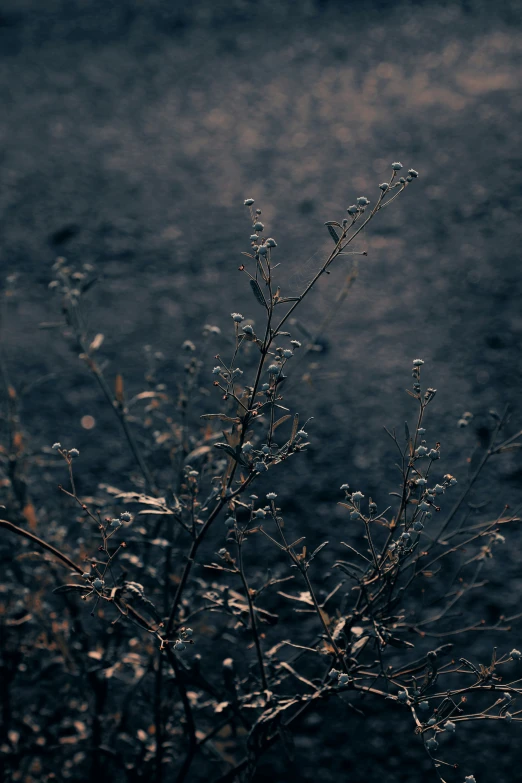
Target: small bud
{"x":384,"y":186}
{"x":230,"y":521}
{"x":98,"y":584}
{"x":179,"y":646}
{"x":470,"y":779}
{"x":402,"y":696}
{"x":402,"y":180}
{"x":258,"y":226}
{"x":438,"y":489}
{"x":287,"y":353}
{"x":115,"y":523}
{"x":424,"y":506}
{"x":346,"y":487}
{"x":254,"y":238}
{"x":263,"y":250}
{"x":237,"y":317}
{"x":247,"y":447}
{"x":248,"y":202}
{"x":357,"y":496}
{"x":57,"y":446}
{"x":405,"y":539}
{"x":449,"y":726}
{"x":434,"y":454}
{"x":295,"y":343}
{"x":216,"y":370}
{"x":74,"y":453}
{"x":302,"y":434}
{"x":516,"y":655}
{"x":412,"y":173}
{"x":193,"y":473}
{"x":396,"y":166}
{"x":420,"y":451}
{"x":188,"y":345}
{"x":432,"y":744}
{"x":343,"y":678}
{"x":508,"y":717}
{"x":418,"y":362}
{"x":274,"y":369}
{"x":424,"y":705}
{"x":271,"y":242}
{"x":260,"y":514}
{"x":187,"y":633}
{"x":362,"y":201}
{"x":247,"y":329}
{"x":353,"y":209}
{"x":271,"y":496}
{"x":260,"y":467}
{"x":418,"y":526}
{"x":125,"y":516}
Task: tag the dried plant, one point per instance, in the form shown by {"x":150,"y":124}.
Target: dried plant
{"x":200,"y":586}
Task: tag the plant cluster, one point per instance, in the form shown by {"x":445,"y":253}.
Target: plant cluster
{"x":192,"y":583}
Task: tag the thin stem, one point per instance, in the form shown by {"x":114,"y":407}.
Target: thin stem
{"x":252,"y":617}
{"x":43,"y":544}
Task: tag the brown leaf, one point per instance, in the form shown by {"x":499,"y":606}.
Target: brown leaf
{"x":29,"y":513}
{"x":118,"y":388}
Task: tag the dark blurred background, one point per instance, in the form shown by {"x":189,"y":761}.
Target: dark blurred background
{"x":130,"y":134}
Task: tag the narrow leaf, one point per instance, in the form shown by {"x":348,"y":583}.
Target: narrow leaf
{"x":220,"y":416}
{"x":333,"y":233}
{"x":399,"y":643}
{"x":316,"y":551}
{"x":281,"y":421}
{"x":256,"y":288}
{"x":295,"y":427}
{"x":226,"y":448}
{"x":70,"y":588}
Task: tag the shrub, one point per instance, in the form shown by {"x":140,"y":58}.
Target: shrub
{"x":198,"y":590}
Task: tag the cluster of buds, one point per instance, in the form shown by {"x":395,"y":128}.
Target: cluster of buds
{"x":261,"y":246}
{"x":114,"y":524}
{"x":423,"y":451}
{"x":354,"y":501}
{"x":68,"y":454}
{"x":354,"y":210}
